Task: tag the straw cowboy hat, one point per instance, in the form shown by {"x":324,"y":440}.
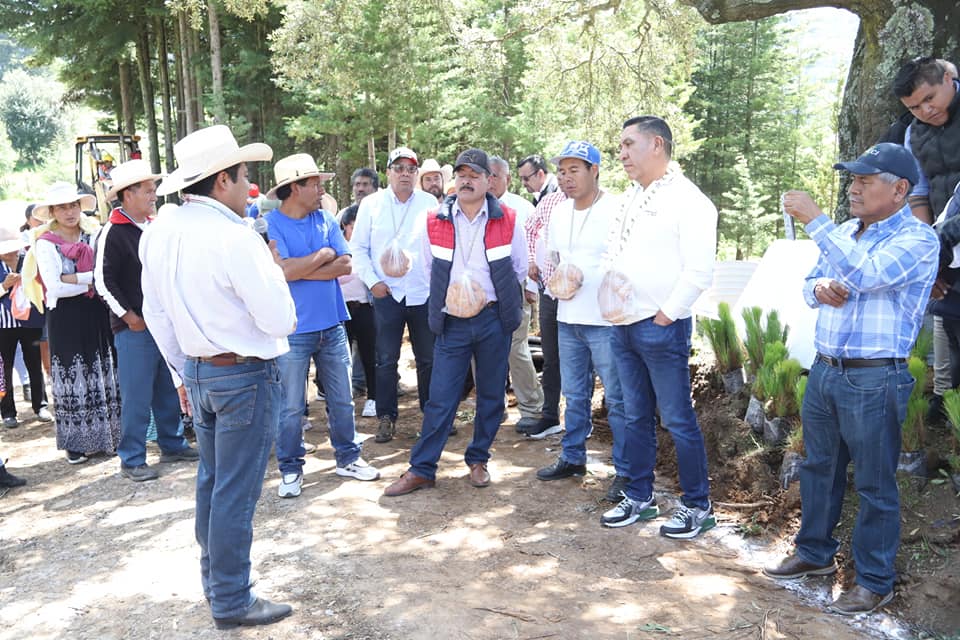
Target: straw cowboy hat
{"x":430,"y":166}
{"x":206,"y":152}
{"x":130,"y":173}
{"x":293,"y":168}
{"x":62,"y":193}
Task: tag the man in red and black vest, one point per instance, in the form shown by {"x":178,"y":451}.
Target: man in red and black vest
{"x":477,"y":259}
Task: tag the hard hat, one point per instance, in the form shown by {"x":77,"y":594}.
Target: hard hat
{"x":107,"y":157}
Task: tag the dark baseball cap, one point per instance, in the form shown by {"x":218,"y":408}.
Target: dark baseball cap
{"x":885,"y":157}
{"x":476,"y":159}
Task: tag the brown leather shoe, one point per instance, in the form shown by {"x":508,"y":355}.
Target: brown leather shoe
{"x":859,"y":600}
{"x":793,"y":566}
{"x":479,"y":477}
{"x":408,"y":483}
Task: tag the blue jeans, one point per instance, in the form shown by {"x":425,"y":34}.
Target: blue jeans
{"x":584,"y":348}
{"x":482,"y":338}
{"x":333,"y":370}
{"x":145,"y":384}
{"x":853,"y":414}
{"x":235,"y":413}
{"x":654,"y":367}
{"x":391,"y":316}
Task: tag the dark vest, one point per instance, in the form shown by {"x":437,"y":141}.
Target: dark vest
{"x":938,"y":151}
{"x":497,"y":240}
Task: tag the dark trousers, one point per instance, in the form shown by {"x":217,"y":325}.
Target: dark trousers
{"x":29,"y":340}
{"x":951,"y":327}
{"x":549,"y":343}
{"x":362,"y":328}
{"x":391,"y":316}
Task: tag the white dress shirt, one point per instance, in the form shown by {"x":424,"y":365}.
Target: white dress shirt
{"x":210,"y":286}
{"x":524,"y":209}
{"x":380,"y":218}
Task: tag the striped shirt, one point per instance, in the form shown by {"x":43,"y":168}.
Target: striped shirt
{"x":889,"y":272}
{"x":536,"y":232}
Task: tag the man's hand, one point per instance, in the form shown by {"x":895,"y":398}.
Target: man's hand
{"x":800,"y":206}
{"x":529,"y":296}
{"x":380,"y":290}
{"x":11,"y":280}
{"x":830,"y":292}
{"x":662,"y":320}
{"x":940,"y":288}
{"x":184,"y":402}
{"x":134,"y":322}
{"x":534,"y":272}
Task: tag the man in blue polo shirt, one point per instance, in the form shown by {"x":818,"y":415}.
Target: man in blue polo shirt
{"x":314,"y":253}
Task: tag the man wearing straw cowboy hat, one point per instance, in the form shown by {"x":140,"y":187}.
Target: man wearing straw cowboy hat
{"x":314,"y":253}
{"x":219,"y":308}
{"x":145,"y":382}
{"x":431,"y":178}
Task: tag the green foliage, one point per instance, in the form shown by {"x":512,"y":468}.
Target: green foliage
{"x":722,"y":335}
{"x":759,"y":334}
{"x":765,"y":387}
{"x":800,"y":390}
{"x":923,"y":345}
{"x":795,"y":440}
{"x":951,"y":406}
{"x":32,"y":110}
{"x":914,"y":432}
{"x":784,"y":393}
{"x":746,"y":222}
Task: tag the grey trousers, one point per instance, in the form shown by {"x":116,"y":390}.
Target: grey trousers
{"x":523,"y":375}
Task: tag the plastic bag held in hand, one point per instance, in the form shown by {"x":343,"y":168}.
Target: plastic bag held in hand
{"x":565,"y":281}
{"x":615,"y":297}
{"x":395,"y":262}
{"x":465,"y":298}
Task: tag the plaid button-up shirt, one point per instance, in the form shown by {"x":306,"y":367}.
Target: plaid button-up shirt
{"x":536,"y":228}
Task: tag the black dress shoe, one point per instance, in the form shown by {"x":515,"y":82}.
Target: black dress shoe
{"x":793,"y":566}
{"x":561,"y":469}
{"x":260,"y":612}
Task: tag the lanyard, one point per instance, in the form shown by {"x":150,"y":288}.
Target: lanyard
{"x":582,"y":224}
{"x":465,"y":255}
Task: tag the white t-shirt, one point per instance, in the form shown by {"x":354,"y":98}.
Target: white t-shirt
{"x":579,"y":237}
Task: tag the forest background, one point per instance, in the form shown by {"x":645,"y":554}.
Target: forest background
{"x":757,"y":106}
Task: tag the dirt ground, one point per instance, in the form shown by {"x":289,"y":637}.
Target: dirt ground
{"x":86,"y":554}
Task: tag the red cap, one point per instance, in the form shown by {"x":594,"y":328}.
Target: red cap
{"x":254,"y":190}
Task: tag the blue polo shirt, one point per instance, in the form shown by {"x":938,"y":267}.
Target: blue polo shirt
{"x":320,"y":303}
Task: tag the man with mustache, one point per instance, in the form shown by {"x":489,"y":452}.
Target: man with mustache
{"x":476,"y":257}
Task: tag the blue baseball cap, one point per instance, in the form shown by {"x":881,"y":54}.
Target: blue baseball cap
{"x":885,"y":157}
{"x":579,"y":149}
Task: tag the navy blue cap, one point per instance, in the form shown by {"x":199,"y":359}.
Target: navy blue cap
{"x":885,"y":157}
{"x":476,"y":159}
{"x":579,"y":149}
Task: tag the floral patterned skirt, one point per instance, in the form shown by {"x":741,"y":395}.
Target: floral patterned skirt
{"x":83,"y":364}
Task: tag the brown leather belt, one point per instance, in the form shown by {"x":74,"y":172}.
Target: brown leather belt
{"x":858,"y":363}
{"x":229,"y":359}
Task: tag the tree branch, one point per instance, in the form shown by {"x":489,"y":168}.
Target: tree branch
{"x":721,"y":11}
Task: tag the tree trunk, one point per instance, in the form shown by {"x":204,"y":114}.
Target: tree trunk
{"x":128,"y":124}
{"x":371,"y":154}
{"x":194,"y":44}
{"x":146,"y":89}
{"x":889,"y":34}
{"x":162,"y":65}
{"x":216,"y":64}
{"x":185,"y":75}
{"x":183,"y":113}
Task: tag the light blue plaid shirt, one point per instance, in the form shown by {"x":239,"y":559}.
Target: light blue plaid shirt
{"x":889,"y":272}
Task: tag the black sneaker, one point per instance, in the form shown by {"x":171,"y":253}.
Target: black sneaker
{"x":525,"y":423}
{"x":8,"y":480}
{"x":543,"y":428}
{"x":76,"y":457}
{"x":615,"y":492}
{"x":561,"y":469}
{"x":630,"y":511}
{"x":187,"y":454}
{"x":935,"y":416}
{"x":139,"y":473}
{"x":689,"y":522}
{"x":385,"y":430}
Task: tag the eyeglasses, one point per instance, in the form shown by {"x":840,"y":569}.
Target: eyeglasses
{"x":526,"y":178}
{"x":405,"y":168}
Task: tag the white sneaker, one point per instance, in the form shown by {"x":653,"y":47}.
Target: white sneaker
{"x":290,"y":485}
{"x":359,"y":470}
{"x":369,"y":409}
{"x":305,"y":423}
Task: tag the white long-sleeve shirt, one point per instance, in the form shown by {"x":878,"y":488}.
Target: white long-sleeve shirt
{"x":210,"y":286}
{"x":380,"y":218}
{"x":50,"y":267}
{"x":670,"y":252}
